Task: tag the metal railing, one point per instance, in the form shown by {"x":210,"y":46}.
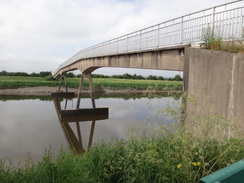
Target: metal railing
{"x":225,"y":20}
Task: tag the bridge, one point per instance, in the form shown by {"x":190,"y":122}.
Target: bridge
{"x":215,"y":76}
{"x":159,"y":46}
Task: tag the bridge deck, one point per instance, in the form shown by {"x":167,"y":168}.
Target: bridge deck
{"x":225,"y":20}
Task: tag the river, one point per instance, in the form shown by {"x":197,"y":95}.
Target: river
{"x":29,"y":125}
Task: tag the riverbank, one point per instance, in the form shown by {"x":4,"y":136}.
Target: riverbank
{"x":46,"y":91}
{"x":177,"y":155}
{"x":28,"y":85}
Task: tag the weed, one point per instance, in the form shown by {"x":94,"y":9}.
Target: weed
{"x":215,"y":42}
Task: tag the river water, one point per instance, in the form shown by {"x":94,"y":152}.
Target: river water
{"x":29,"y":125}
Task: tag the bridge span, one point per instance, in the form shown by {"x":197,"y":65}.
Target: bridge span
{"x":214,"y":78}
{"x":160,"y":59}
{"x":160,"y":46}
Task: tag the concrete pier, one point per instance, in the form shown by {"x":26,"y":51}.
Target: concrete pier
{"x":215,"y":79}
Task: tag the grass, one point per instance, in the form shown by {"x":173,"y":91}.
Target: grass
{"x":215,"y":42}
{"x":18,"y":82}
{"x":165,"y":157}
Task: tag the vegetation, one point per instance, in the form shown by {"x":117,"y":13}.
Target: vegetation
{"x":71,"y":75}
{"x":18,"y":81}
{"x":41,"y":74}
{"x":137,"y":77}
{"x":215,"y":42}
{"x":21,"y":81}
{"x":170,"y":154}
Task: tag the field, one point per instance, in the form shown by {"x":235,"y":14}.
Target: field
{"x":7,"y":82}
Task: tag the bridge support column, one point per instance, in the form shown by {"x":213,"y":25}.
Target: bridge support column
{"x":60,"y":78}
{"x":81,"y":88}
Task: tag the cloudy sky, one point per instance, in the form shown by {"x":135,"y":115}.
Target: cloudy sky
{"x":39,"y":35}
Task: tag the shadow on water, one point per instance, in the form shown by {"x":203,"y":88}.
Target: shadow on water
{"x":78,"y":116}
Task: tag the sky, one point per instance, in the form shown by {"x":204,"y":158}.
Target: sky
{"x":39,"y":35}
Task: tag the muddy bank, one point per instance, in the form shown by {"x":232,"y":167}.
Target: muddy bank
{"x":46,"y":91}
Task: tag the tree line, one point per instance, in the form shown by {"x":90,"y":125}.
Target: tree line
{"x":130,"y":76}
{"x":72,"y":75}
{"x":40,"y":74}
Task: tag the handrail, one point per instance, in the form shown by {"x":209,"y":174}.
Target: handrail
{"x":226,"y":20}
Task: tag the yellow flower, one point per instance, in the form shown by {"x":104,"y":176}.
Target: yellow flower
{"x":179,"y":165}
{"x":196,"y":163}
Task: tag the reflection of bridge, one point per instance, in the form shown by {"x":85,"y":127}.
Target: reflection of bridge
{"x":76,"y":116}
{"x":165,"y":47}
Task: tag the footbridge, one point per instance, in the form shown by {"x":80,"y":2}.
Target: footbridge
{"x":160,"y":46}
{"x":217,"y":76}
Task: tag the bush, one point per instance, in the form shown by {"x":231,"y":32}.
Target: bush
{"x":49,"y":77}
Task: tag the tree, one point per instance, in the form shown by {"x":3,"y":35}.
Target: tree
{"x":127,"y":76}
{"x":33,"y":74}
{"x":3,"y":73}
{"x":70,"y":75}
{"x":160,"y":78}
{"x":178,"y":78}
{"x":151,"y":77}
{"x":45,"y":73}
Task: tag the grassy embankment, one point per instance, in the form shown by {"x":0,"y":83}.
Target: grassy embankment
{"x":19,"y":82}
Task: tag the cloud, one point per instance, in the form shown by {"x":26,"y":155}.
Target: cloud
{"x":46,"y":33}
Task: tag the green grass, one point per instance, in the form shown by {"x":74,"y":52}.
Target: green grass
{"x":215,"y":42}
{"x":18,"y":82}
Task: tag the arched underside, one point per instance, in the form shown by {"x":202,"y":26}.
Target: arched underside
{"x":156,"y":60}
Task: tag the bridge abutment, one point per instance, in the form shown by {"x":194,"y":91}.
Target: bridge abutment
{"x":215,"y":80}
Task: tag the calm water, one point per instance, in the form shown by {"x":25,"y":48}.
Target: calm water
{"x":32,"y":125}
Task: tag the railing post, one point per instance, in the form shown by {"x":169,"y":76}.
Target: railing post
{"x":140,"y":41}
{"x":109,"y":47}
{"x":181,"y":30}
{"x":127,"y":43}
{"x":117,"y":40}
{"x":240,"y":28}
{"x":213,"y":19}
{"x":158,"y":36}
{"x":241,"y":25}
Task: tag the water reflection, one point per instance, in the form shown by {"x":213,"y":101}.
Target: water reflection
{"x":77,"y":116}
{"x":30,"y":124}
